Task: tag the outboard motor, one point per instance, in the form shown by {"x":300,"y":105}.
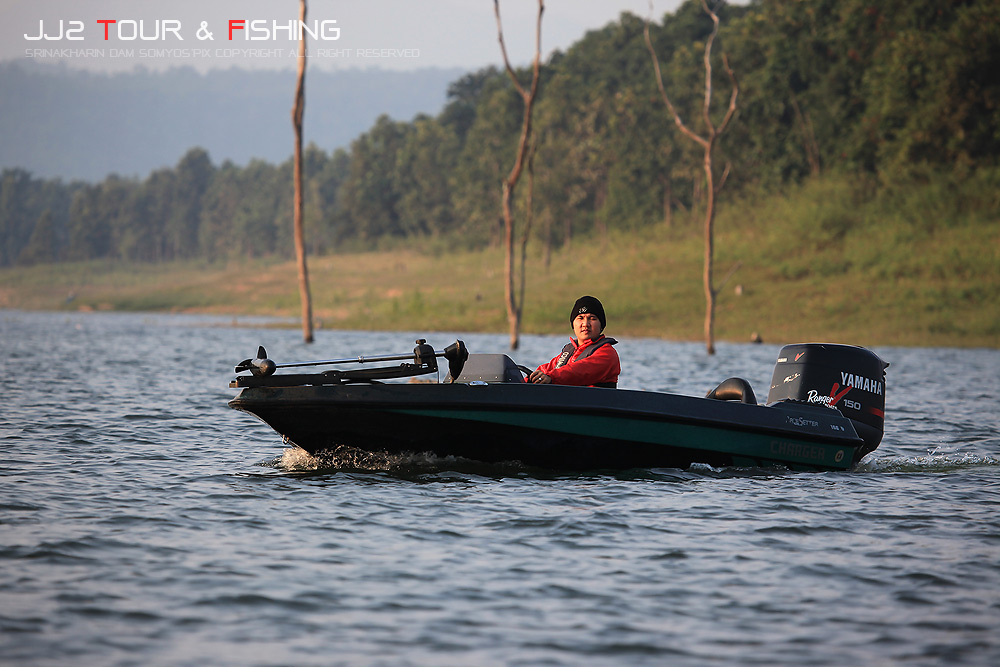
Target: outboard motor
{"x":848,"y":378}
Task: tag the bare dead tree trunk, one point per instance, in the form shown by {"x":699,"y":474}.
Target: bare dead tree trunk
{"x":668,"y":197}
{"x":708,"y":144}
{"x":515,"y":307}
{"x":547,"y":250}
{"x":600,"y":196}
{"x":809,"y":144}
{"x":529,"y":217}
{"x":298,"y":110}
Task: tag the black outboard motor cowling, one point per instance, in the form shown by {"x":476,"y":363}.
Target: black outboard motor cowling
{"x":848,"y":378}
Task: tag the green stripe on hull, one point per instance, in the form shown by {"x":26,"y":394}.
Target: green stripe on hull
{"x":740,"y":444}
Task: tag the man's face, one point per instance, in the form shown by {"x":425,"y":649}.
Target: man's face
{"x":586,"y":326}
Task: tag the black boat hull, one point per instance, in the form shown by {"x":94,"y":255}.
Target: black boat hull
{"x":555,"y":427}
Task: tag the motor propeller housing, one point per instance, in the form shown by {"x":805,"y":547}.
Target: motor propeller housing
{"x":260,"y":365}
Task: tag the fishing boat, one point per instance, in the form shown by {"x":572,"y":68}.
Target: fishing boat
{"x":824,"y":411}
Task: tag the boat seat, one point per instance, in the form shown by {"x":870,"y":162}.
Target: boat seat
{"x":734,"y":389}
{"x":490,"y":368}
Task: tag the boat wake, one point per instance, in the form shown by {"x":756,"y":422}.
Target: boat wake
{"x":346,"y":458}
{"x":931,"y":462}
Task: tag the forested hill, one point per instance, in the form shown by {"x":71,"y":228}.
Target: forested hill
{"x":893,"y":95}
{"x":58,"y":122}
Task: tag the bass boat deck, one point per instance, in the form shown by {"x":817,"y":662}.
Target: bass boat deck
{"x":825,"y":411}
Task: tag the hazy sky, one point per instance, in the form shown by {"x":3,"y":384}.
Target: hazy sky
{"x":391,"y":34}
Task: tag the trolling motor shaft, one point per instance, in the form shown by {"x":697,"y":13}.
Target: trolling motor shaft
{"x":423,"y":358}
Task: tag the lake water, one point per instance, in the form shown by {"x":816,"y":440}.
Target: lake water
{"x":143,"y":522}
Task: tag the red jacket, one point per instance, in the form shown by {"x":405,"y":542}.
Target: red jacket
{"x":600,"y":367}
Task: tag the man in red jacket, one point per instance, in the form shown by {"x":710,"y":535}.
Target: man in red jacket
{"x":588,"y":360}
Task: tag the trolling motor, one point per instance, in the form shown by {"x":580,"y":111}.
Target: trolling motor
{"x":421,"y":361}
{"x":260,"y":365}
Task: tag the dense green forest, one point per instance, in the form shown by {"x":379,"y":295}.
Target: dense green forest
{"x":891,"y":94}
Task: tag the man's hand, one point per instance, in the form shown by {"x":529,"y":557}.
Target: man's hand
{"x":538,"y":377}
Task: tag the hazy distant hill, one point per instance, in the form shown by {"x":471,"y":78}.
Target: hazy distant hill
{"x":59,"y":122}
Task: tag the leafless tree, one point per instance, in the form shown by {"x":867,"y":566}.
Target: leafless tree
{"x":809,"y":144}
{"x":298,"y":110}
{"x":707,"y":143}
{"x":515,"y":306}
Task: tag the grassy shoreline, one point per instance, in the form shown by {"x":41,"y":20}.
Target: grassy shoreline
{"x":818,"y":267}
{"x":644,"y":296}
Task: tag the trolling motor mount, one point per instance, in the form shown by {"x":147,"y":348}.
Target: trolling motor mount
{"x":422,"y":360}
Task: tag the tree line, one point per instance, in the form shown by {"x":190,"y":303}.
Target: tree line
{"x":889,"y":92}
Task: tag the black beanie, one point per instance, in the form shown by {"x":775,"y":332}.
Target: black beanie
{"x":589,"y":304}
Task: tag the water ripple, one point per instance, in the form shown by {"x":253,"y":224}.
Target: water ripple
{"x":145,"y":522}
